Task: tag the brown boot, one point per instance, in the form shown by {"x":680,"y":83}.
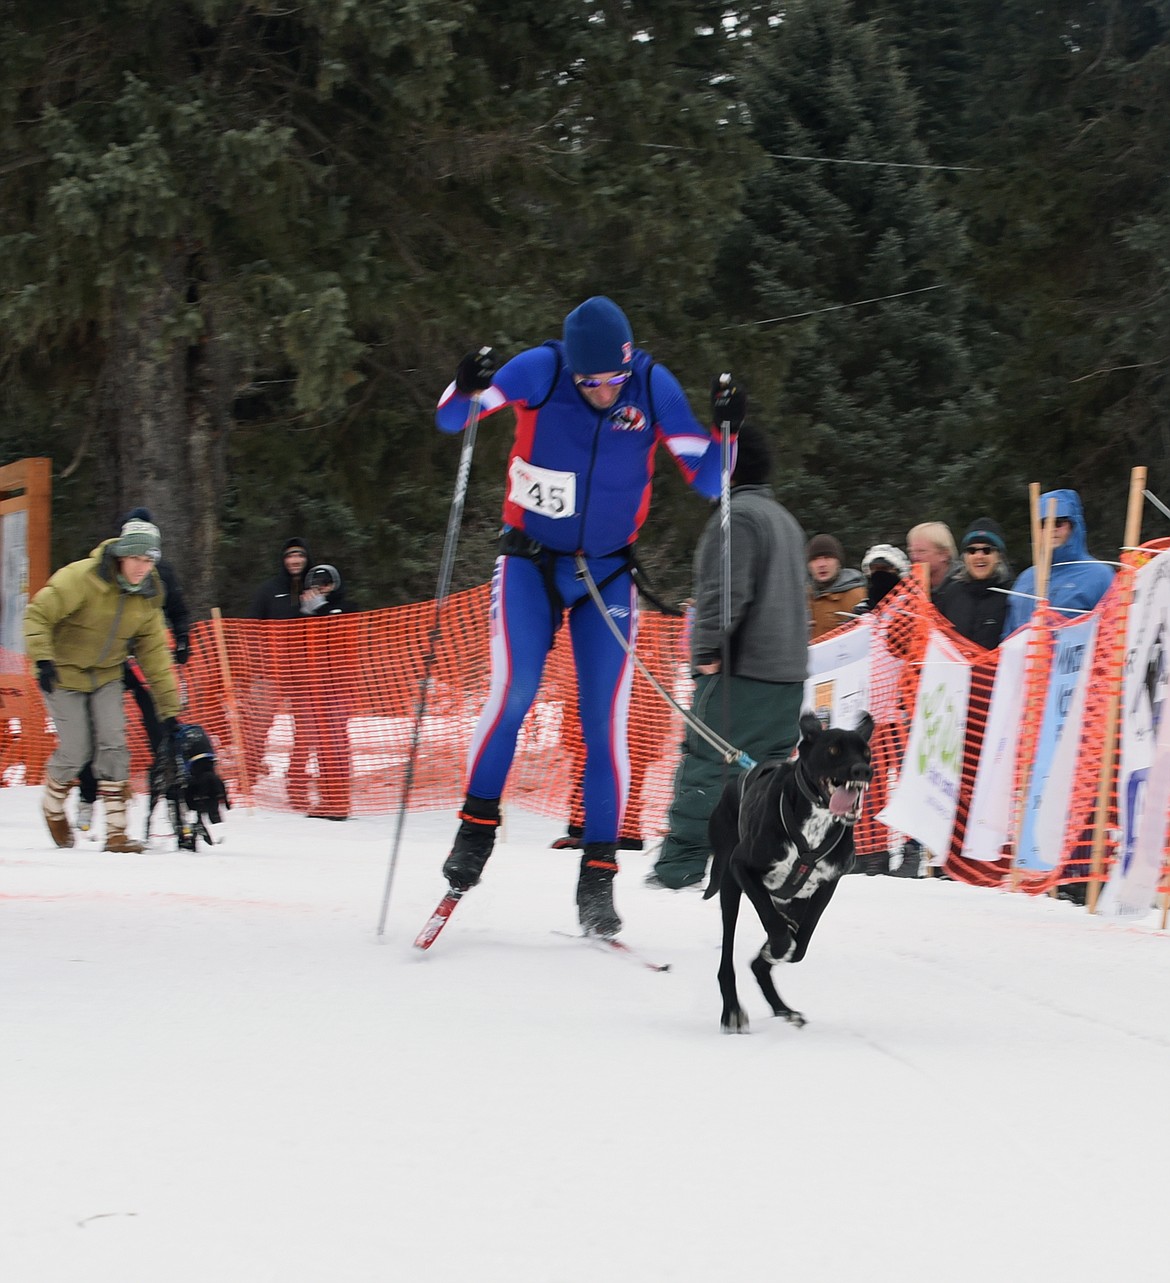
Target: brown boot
{"x":114,"y":794}
{"x":53,"y":806}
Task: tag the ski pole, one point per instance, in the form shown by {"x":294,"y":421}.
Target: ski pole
{"x":446,"y":565}
{"x":725,"y":559}
{"x":730,"y":754}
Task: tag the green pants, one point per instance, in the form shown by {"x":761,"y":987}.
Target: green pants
{"x":765,"y":723}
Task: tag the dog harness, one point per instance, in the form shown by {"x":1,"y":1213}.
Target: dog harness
{"x":807,"y":858}
{"x":191,"y":745}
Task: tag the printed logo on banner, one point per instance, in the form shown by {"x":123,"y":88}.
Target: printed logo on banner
{"x":927,"y":795}
{"x":1142,"y":784}
{"x":1046,"y":811}
{"x":837,"y":689}
{"x":941,"y":748}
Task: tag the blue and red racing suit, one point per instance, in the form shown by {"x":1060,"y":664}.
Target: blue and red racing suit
{"x":579,"y":481}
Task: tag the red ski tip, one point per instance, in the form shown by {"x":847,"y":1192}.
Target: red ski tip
{"x":438,"y":920}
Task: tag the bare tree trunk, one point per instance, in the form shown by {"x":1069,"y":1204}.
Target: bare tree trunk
{"x":164,"y":412}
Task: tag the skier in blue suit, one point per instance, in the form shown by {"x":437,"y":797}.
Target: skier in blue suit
{"x":1077,"y":581}
{"x":591,"y":411}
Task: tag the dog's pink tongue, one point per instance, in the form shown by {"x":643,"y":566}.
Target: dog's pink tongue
{"x":841,"y":803}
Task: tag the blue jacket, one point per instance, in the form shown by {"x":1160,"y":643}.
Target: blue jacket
{"x":1077,"y":582}
{"x":579,"y":479}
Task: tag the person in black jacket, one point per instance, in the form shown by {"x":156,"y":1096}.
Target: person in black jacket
{"x":302,"y":591}
{"x":971,"y":603}
{"x":280,"y":596}
{"x":178,"y":619}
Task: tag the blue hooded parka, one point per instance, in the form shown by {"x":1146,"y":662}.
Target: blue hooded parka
{"x":1077,"y":581}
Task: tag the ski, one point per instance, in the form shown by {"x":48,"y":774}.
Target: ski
{"x":438,"y":920}
{"x":610,"y":944}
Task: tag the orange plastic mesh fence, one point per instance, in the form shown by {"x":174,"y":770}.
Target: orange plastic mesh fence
{"x":326,"y":711}
{"x":319,"y":715}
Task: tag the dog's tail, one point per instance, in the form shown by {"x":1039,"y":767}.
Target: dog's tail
{"x":722,"y":830}
{"x":718,"y":868}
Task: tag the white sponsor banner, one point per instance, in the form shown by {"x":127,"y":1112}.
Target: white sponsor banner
{"x":1045,"y":815}
{"x":990,"y":819}
{"x":1143,"y":786}
{"x":837,"y":688}
{"x":927,"y":795}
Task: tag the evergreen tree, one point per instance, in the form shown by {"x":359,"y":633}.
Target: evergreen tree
{"x":242,"y":246}
{"x":876,"y":406}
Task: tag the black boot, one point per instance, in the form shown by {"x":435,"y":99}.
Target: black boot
{"x":595,"y":908}
{"x":473,"y":843}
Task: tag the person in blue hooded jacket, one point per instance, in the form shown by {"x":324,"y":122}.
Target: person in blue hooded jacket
{"x":591,"y":412}
{"x":1076,"y":582}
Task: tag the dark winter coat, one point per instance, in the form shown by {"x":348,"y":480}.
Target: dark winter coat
{"x":280,"y":596}
{"x":174,"y":604}
{"x":973,"y":607}
{"x":335,"y":603}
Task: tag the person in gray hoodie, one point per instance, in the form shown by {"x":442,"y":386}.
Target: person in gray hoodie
{"x":768,"y":649}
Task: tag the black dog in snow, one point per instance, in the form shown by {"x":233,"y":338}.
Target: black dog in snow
{"x":184,"y":773}
{"x":782,"y":834}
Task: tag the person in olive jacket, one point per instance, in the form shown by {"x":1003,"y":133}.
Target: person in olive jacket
{"x":78,"y":631}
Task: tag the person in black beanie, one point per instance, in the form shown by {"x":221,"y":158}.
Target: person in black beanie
{"x":301,"y":591}
{"x":280,"y":596}
{"x":971,"y":603}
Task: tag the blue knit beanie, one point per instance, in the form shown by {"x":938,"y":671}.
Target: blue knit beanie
{"x":598,"y":337}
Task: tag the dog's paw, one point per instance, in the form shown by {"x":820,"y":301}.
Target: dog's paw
{"x":793,"y":1018}
{"x":735,"y":1021}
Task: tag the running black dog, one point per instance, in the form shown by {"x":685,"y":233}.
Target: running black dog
{"x":184,"y":773}
{"x":782,"y":835}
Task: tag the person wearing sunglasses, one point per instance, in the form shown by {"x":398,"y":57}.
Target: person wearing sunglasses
{"x":591,"y":412}
{"x":971,"y":603}
{"x":1076,"y":580}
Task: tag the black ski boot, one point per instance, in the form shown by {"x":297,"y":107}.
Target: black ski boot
{"x":473,"y":843}
{"x":595,"y":908}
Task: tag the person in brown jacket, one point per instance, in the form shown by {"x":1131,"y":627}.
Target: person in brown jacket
{"x":834,"y":588}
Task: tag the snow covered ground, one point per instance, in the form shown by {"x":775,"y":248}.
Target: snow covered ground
{"x":211,"y":1068}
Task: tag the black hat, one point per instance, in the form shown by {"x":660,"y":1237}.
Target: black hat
{"x":753,"y":458}
{"x":983,"y":529}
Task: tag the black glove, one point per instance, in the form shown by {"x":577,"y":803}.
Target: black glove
{"x":728,"y":402}
{"x":182,"y":650}
{"x":47,"y":675}
{"x":170,"y":727}
{"x":476,"y":371}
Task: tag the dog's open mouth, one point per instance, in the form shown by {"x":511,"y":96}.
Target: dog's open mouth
{"x":845,"y":800}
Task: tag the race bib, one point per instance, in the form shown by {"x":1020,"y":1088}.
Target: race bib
{"x":541,"y":490}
